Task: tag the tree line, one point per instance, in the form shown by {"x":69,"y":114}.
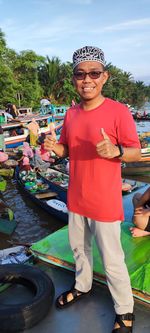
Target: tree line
{"x":26,"y":77}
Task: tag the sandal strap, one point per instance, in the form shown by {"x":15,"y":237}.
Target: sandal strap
{"x":119,"y":320}
{"x":123,"y":330}
{"x":73,"y":291}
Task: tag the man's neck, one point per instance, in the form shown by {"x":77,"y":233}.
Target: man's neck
{"x":91,"y":104}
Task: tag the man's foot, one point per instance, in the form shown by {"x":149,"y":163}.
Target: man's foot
{"x":136,"y":232}
{"x":69,"y":297}
{"x":123,"y":323}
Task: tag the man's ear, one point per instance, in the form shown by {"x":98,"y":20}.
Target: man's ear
{"x":73,"y":80}
{"x":105,"y":77}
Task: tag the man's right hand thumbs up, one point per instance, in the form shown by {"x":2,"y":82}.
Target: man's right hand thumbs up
{"x":50,"y":141}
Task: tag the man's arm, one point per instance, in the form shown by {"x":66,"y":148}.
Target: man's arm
{"x":130,"y":154}
{"x":107,"y":149}
{"x":50,"y":144}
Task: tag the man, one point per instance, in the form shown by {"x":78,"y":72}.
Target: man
{"x":97,"y":134}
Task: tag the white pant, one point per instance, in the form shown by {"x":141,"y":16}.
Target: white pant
{"x":107,"y":236}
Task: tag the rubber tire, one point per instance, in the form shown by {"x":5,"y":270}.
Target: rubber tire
{"x":17,"y":317}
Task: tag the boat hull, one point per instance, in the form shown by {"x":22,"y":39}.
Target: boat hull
{"x":55,"y":249}
{"x":136,"y":168}
{"x":13,"y":141}
{"x":42,"y":202}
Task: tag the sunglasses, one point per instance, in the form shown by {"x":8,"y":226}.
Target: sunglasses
{"x":82,"y":75}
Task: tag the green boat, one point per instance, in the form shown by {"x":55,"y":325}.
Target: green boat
{"x":55,"y":249}
{"x":7,"y":221}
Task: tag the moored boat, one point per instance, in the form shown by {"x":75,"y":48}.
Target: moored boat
{"x":47,"y":196}
{"x":141,"y":168}
{"x":55,"y":249}
{"x":15,"y":133}
{"x":7,"y":220}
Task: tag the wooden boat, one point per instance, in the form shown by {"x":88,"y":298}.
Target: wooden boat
{"x":6,"y":226}
{"x":140,"y":117}
{"x":57,"y":112}
{"x":55,"y":249}
{"x":136,"y":168}
{"x":49,"y":197}
{"x":53,"y":197}
{"x":60,"y":180}
{"x":7,"y":221}
{"x":15,"y":133}
{"x":77,"y":317}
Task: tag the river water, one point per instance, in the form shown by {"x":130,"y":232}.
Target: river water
{"x":33,"y":223}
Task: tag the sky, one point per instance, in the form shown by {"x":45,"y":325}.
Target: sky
{"x":59,"y":27}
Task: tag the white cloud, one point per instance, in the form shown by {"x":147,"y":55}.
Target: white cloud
{"x":128,"y":25}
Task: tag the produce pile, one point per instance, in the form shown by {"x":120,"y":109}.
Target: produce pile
{"x":56,"y":177}
{"x":32,"y":182}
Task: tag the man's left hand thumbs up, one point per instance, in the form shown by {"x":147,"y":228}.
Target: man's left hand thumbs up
{"x":106,"y":148}
{"x":105,"y":136}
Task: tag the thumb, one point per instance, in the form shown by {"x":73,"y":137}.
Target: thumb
{"x":52,"y":130}
{"x":105,"y":136}
{"x":53,"y":133}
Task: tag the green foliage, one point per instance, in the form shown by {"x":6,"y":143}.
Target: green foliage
{"x":26,"y":77}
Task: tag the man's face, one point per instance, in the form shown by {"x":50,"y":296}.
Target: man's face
{"x":89,"y":86}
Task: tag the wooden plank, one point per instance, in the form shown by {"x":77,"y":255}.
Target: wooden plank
{"x":46,"y":195}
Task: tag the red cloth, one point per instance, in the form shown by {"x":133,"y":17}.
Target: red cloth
{"x":95,"y":186}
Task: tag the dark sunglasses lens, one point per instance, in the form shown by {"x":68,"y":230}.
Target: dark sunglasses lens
{"x":94,"y":75}
{"x":79,"y":75}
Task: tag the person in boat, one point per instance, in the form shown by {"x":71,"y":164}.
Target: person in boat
{"x":33,"y":128}
{"x":97,"y":135}
{"x":41,"y":138}
{"x":37,"y":163}
{"x":27,"y":150}
{"x":141,"y":218}
{"x":24,"y":162}
{"x":45,"y":105}
{"x":45,"y":155}
{"x":12,"y":110}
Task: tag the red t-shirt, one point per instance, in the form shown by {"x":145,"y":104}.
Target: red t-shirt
{"x":95,"y":183}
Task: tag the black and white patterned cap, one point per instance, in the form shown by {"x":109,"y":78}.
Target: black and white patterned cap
{"x":88,"y":53}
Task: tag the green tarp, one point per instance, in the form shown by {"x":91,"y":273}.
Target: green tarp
{"x":137,"y":256}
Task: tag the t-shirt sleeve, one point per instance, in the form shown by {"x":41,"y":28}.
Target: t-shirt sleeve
{"x":126,"y":130}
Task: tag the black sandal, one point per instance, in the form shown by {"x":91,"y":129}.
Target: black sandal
{"x":76,"y":295}
{"x":123,"y":328}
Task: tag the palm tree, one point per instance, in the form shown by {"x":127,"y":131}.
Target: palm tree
{"x":50,"y":74}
